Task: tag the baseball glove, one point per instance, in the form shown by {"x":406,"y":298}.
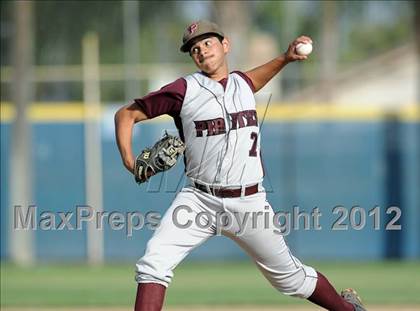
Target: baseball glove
{"x":161,"y":157}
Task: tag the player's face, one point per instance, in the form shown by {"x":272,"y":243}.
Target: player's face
{"x":209,"y":54}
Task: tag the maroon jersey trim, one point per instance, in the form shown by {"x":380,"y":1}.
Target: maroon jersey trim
{"x":247,"y":79}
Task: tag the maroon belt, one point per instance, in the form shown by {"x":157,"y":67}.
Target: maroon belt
{"x":226,"y":192}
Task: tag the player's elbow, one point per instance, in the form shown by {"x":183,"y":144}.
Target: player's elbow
{"x":129,"y":114}
{"x":122,"y":116}
{"x":119,"y":115}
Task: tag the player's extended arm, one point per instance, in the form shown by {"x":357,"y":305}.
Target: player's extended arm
{"x":261,"y":75}
{"x":125,"y":118}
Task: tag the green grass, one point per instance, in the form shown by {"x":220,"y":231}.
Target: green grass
{"x":233,"y":283}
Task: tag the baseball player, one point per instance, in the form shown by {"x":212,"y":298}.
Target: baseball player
{"x":215,"y":113}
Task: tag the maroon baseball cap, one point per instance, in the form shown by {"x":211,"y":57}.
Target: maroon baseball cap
{"x":197,"y":29}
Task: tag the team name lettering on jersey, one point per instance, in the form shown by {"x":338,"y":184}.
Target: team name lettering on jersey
{"x":213,"y":127}
{"x":217,"y":126}
{"x":239,"y":118}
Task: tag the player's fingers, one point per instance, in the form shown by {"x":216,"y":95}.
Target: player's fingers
{"x":306,"y":39}
{"x":299,"y":57}
{"x":291,"y":49}
{"x":296,"y":42}
{"x":303,"y":39}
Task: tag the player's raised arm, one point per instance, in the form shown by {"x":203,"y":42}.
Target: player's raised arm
{"x":261,"y":75}
{"x":125,"y":118}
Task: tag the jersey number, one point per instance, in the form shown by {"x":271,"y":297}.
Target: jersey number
{"x":253,"y":150}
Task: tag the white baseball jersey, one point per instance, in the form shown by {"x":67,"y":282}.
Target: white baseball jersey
{"x":221,"y":133}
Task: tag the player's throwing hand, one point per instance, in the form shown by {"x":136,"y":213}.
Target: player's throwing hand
{"x":291,"y":55}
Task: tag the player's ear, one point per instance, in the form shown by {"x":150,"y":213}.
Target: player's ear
{"x":226,"y":45}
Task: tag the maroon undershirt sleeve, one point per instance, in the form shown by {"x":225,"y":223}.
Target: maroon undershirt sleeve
{"x":167,"y":100}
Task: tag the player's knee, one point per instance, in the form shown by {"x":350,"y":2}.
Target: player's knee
{"x":300,"y":283}
{"x":152,"y":271}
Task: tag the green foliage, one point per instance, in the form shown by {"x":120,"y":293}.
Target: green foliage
{"x":369,"y":41}
{"x":364,"y":29}
{"x":61,"y":25}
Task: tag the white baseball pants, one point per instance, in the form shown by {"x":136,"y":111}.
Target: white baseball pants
{"x":196,"y":216}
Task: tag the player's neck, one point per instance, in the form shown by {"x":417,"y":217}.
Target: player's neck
{"x":219,"y":74}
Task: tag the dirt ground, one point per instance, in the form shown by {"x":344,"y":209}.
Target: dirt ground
{"x":226,"y":308}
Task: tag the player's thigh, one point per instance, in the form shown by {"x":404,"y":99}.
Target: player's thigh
{"x":178,"y":232}
{"x":253,"y":229}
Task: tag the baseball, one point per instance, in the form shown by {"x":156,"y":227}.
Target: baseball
{"x":304,"y":48}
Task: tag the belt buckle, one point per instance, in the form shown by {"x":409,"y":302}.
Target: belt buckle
{"x":212,"y":191}
{"x":243,"y":191}
{"x":208,"y":189}
{"x":215,"y":191}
